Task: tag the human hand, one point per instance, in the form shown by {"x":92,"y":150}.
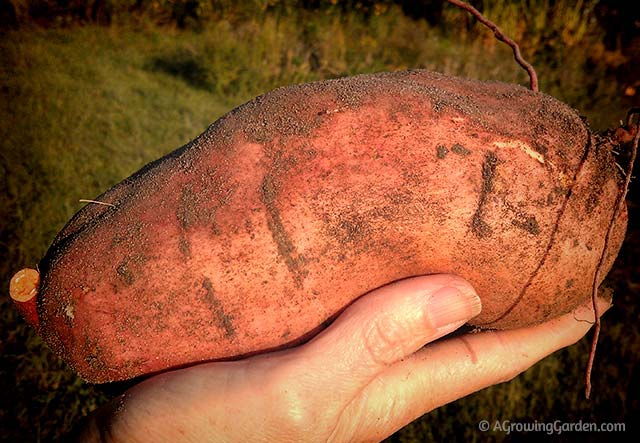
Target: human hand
{"x":361,"y":379}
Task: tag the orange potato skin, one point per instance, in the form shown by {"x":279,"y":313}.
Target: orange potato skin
{"x":260,"y":231}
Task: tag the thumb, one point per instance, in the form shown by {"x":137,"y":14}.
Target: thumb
{"x":387,"y":325}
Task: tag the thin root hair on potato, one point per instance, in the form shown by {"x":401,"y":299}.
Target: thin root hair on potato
{"x":84,"y":200}
{"x":618,"y":207}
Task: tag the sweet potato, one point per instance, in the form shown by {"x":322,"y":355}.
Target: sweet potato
{"x":261,"y":230}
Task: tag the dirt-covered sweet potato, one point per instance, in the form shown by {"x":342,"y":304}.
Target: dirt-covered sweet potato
{"x":256,"y":234}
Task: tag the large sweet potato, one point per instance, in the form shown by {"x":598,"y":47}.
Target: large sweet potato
{"x":285,"y":210}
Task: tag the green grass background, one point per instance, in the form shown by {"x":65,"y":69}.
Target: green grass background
{"x":82,"y":107}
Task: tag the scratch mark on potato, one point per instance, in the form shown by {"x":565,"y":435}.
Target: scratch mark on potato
{"x":480,"y":227}
{"x":441,"y":151}
{"x":457,"y":148}
{"x":527,"y":223}
{"x":224,"y":319}
{"x":286,"y":248}
{"x":185,"y":246}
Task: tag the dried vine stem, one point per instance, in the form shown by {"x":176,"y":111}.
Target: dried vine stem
{"x":85,"y":200}
{"x":533,"y":77}
{"x":594,"y":289}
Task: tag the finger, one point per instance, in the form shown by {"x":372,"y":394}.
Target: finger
{"x":386,"y":326}
{"x":453,"y":368}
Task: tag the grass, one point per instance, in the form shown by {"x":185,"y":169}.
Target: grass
{"x":83,"y":107}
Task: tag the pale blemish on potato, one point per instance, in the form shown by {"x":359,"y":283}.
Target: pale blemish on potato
{"x":69,"y":311}
{"x":518,"y":144}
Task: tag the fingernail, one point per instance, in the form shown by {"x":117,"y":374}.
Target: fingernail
{"x":452,"y":305}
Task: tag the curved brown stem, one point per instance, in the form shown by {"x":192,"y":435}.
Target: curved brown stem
{"x":533,"y":77}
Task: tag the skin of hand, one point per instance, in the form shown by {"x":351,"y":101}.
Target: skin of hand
{"x":364,"y":377}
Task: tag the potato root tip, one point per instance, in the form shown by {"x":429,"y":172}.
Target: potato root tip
{"x":24,"y":285}
{"x":23,"y":290}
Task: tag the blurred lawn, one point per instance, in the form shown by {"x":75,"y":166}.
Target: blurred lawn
{"x":83,"y":107}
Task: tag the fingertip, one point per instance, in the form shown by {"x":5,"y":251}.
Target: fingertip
{"x":450,"y":298}
{"x":585,"y":312}
{"x":451,"y":305}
